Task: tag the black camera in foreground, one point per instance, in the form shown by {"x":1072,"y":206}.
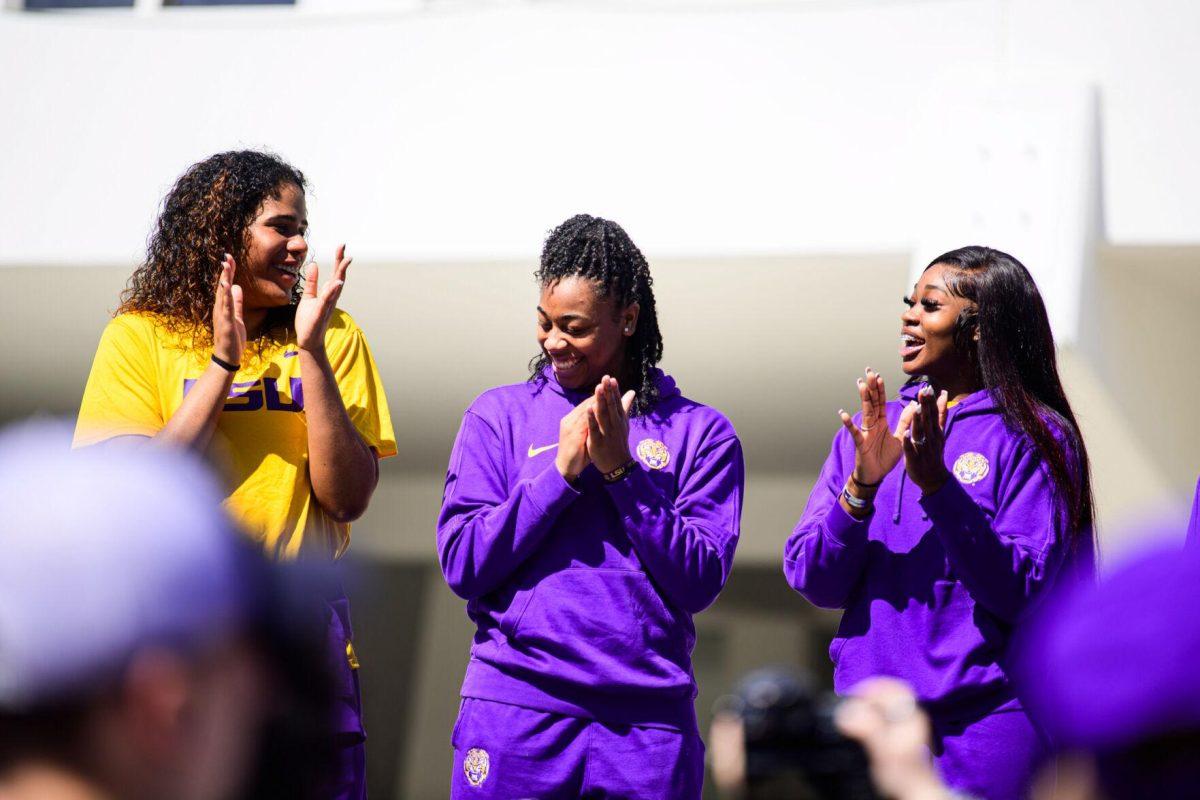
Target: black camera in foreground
{"x":792,"y":748}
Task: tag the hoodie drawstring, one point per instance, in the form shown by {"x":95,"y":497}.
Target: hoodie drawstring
{"x":900,"y":495}
{"x":904,"y":478}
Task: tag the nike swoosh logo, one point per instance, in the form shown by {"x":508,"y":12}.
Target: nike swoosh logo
{"x":533,"y":451}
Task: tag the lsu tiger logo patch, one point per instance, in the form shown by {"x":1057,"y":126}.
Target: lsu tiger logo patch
{"x":653,"y":453}
{"x":971,"y":468}
{"x":476,"y":766}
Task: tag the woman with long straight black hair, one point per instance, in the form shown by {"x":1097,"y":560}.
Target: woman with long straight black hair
{"x":941,"y":517}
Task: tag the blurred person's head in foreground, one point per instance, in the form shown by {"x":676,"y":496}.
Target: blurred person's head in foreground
{"x":133,"y":661}
{"x":1110,"y":671}
{"x":775,"y":737}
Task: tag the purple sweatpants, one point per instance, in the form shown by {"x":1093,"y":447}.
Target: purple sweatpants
{"x":993,"y":757}
{"x":350,"y":782}
{"x":512,"y":752}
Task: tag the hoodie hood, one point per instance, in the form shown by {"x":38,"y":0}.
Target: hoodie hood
{"x":666,"y":385}
{"x":980,"y":402}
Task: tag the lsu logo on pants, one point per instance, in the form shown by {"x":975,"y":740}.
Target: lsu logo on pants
{"x":476,"y":765}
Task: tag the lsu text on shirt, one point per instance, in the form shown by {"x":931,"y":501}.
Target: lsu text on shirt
{"x":142,"y":372}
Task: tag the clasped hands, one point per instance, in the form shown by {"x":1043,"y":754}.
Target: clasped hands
{"x":595,"y":432}
{"x":919,"y":437}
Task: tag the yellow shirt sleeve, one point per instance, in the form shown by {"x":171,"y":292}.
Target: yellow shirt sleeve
{"x":121,"y":397}
{"x":359,"y":383}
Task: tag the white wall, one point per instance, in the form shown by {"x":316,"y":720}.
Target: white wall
{"x":461,"y":133}
{"x":787,"y":128}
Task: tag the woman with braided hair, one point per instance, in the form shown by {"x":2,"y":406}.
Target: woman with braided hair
{"x":220,"y":347}
{"x":588,"y":513}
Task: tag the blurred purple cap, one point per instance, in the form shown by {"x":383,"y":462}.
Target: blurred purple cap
{"x":1104,"y":667}
{"x":103,"y":551}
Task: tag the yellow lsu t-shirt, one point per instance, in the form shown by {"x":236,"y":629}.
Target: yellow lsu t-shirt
{"x":139,"y":378}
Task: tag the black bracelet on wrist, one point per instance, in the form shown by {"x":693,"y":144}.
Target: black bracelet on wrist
{"x":225,"y":365}
{"x":862,"y":485}
{"x":621,"y":472}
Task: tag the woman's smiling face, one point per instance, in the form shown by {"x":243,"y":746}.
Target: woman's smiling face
{"x":275,"y":249}
{"x":581,"y":332}
{"x":927,"y":345}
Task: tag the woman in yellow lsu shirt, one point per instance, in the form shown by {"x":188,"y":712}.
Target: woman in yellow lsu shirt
{"x":221,"y":345}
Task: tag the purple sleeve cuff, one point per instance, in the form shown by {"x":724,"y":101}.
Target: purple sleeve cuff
{"x":625,"y":493}
{"x":947,"y":502}
{"x":840,"y":526}
{"x":551,"y":492}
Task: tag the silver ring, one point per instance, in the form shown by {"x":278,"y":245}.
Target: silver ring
{"x":917,"y":442}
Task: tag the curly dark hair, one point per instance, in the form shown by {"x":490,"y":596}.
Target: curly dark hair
{"x":206,"y":214}
{"x":601,"y":251}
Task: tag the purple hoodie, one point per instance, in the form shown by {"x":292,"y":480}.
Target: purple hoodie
{"x":933,"y":586}
{"x":583,"y":596}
